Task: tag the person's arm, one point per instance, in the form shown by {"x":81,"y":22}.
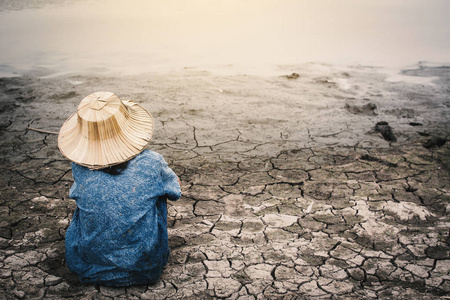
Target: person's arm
{"x":171,"y":182}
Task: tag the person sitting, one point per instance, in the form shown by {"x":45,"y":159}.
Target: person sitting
{"x":118,"y":233}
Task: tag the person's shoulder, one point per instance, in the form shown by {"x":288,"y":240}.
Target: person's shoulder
{"x":149,"y":156}
{"x":80,"y":172}
{"x":78,"y":168}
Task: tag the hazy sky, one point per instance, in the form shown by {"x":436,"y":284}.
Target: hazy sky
{"x":157,"y":35}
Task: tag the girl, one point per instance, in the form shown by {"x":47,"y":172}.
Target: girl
{"x":118,"y":233}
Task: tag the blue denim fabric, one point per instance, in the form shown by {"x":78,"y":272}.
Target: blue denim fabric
{"x":118,"y":234}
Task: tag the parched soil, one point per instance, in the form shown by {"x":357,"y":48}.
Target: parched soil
{"x":289,"y":189}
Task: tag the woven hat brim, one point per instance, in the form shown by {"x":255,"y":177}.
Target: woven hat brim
{"x":118,"y":144}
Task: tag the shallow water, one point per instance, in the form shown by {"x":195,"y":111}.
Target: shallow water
{"x":247,"y":36}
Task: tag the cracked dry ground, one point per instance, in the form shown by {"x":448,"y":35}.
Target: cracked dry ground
{"x":296,"y":209}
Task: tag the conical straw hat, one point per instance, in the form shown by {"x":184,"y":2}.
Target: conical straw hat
{"x":105,"y":131}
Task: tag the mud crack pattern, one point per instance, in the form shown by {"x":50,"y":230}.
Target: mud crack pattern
{"x":282,"y":198}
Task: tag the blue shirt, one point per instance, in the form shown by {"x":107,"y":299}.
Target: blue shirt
{"x":118,"y":234}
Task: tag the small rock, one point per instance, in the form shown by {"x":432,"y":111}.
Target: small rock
{"x":5,"y":273}
{"x":59,"y":288}
{"x":19,"y":294}
{"x":196,"y":257}
{"x":386,"y":131}
{"x":52,"y":280}
{"x":292,"y":76}
{"x":16,"y":262}
{"x":176,"y":241}
{"x":36,"y":281}
{"x":284,"y":273}
{"x":279,"y":220}
{"x":368,"y":157}
{"x":423,"y":133}
{"x":367,"y":109}
{"x":435,"y":142}
{"x":356,"y":274}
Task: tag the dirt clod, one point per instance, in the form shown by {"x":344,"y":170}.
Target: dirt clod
{"x":435,"y":142}
{"x":386,"y":131}
{"x":367,"y":109}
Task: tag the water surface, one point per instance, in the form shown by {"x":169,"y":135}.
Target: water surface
{"x":233,"y":36}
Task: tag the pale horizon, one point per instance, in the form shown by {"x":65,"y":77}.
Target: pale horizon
{"x":162,"y":36}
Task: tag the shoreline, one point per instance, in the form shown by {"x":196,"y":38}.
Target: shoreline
{"x":393,"y":73}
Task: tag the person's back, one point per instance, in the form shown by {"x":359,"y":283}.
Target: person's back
{"x":118,"y":234}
